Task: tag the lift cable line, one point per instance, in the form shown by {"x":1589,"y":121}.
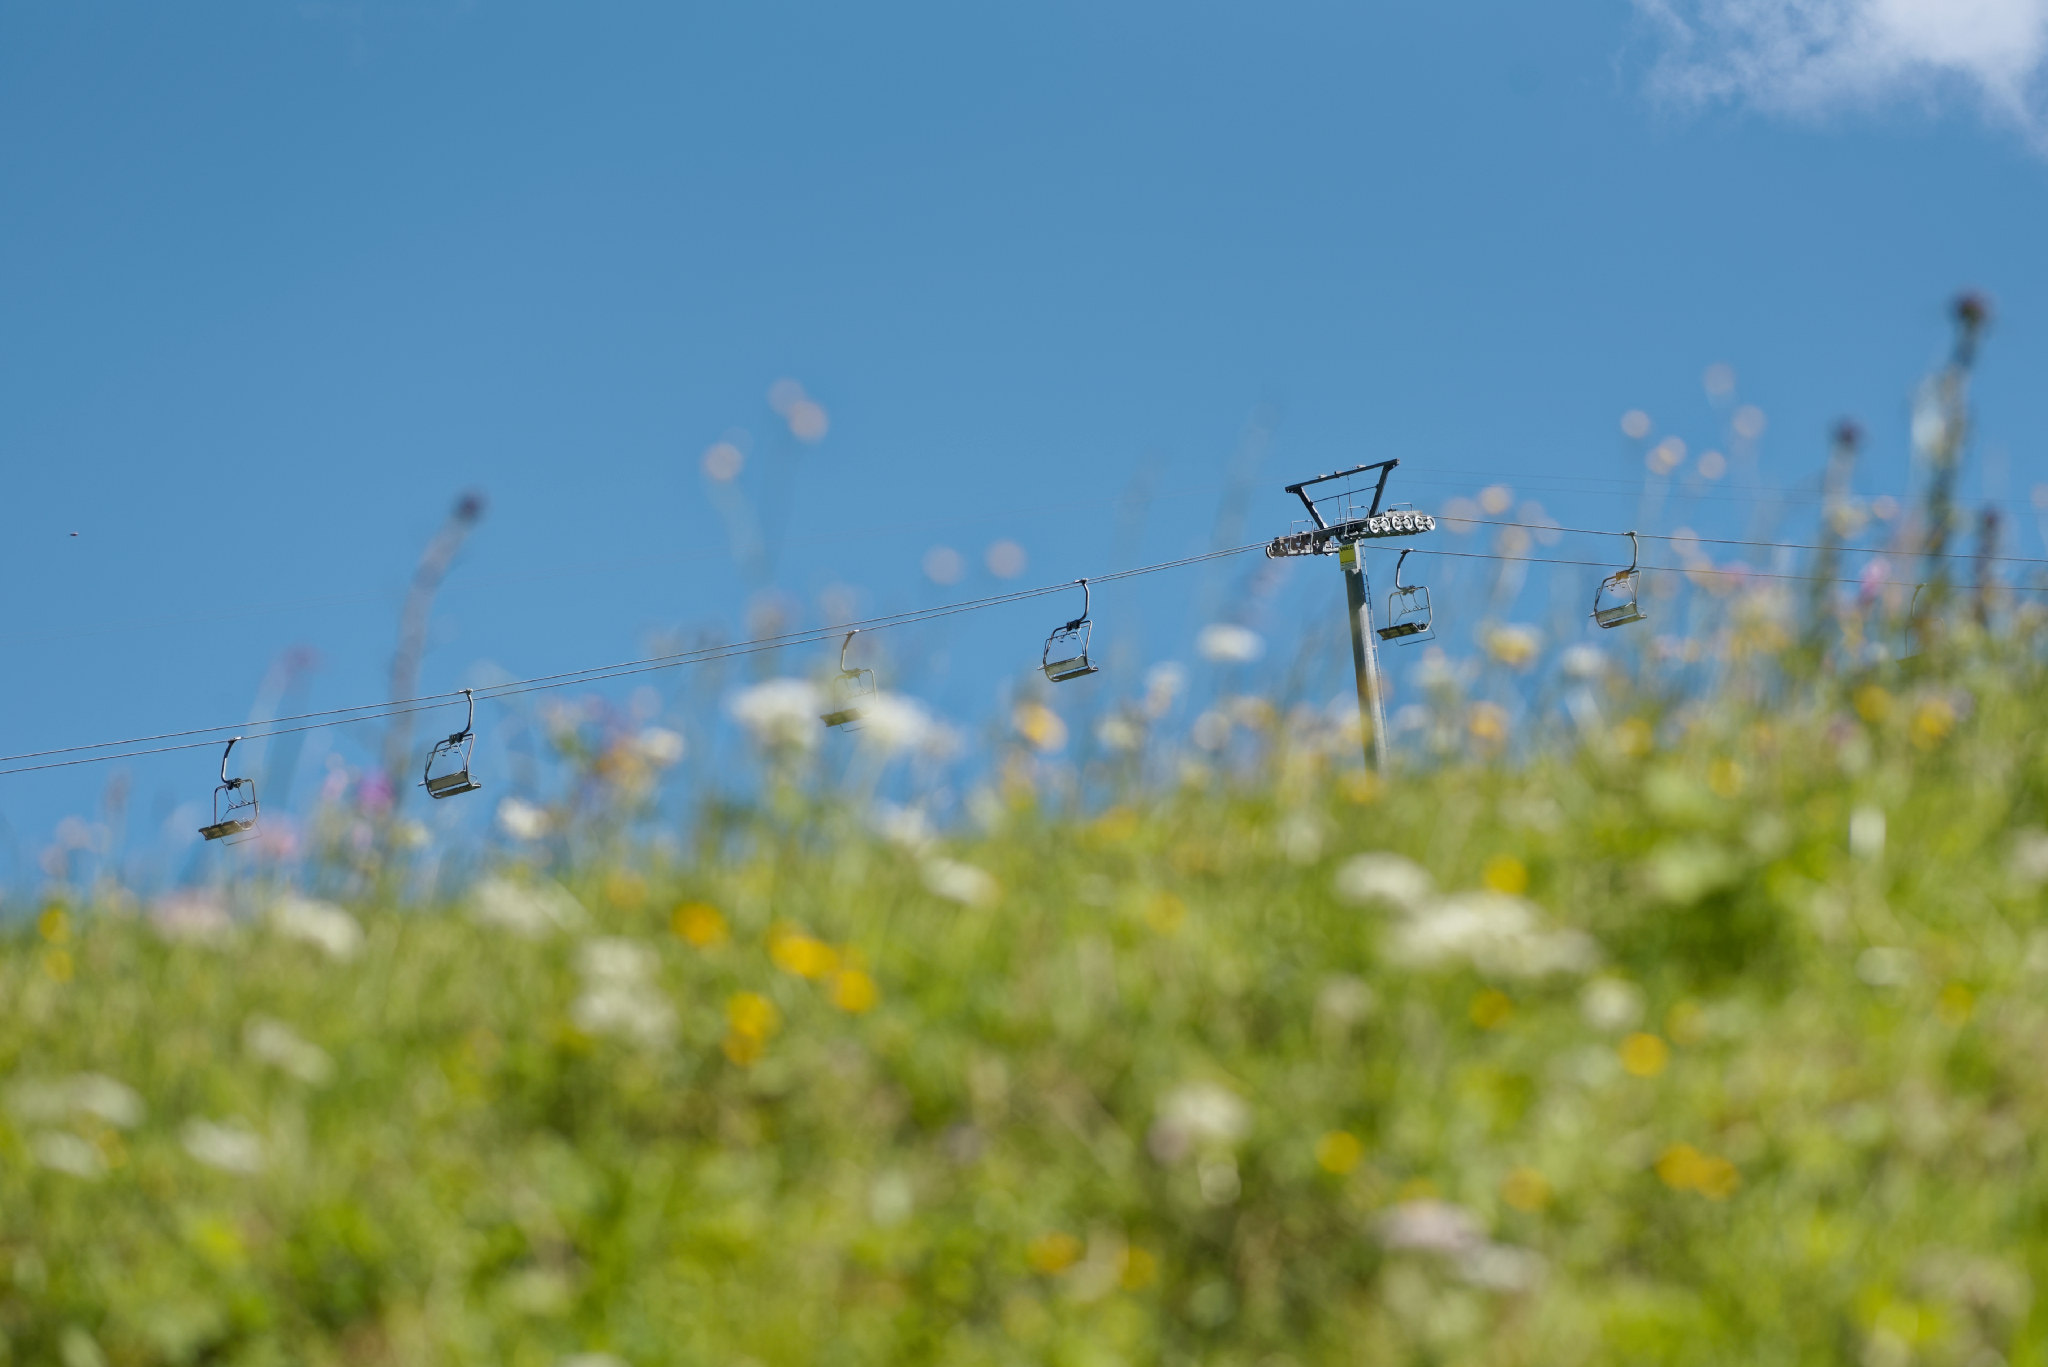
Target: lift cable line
{"x":343,"y":716}
{"x":1741,"y":541}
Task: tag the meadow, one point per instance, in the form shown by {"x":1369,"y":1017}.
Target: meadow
{"x":1697,"y":1030}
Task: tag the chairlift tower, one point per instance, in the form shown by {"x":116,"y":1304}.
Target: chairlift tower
{"x":1340,"y":517}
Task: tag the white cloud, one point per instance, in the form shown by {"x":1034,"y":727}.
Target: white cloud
{"x":1810,"y":56}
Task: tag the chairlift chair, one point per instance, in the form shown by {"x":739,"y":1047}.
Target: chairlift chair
{"x":234,"y":805}
{"x":1408,"y":610}
{"x":849,"y":689}
{"x":456,"y":747}
{"x":1070,"y":643}
{"x":1617,"y":602}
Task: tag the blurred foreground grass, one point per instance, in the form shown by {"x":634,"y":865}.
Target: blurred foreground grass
{"x":1713,"y":1036}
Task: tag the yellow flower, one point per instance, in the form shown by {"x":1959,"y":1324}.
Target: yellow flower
{"x":1338,"y":1152}
{"x":1684,"y":1168}
{"x":1491,"y":1009}
{"x":626,"y":891}
{"x":1505,"y":873}
{"x":1053,"y":1253}
{"x":1872,"y":703}
{"x":792,"y":951}
{"x":1140,"y":1269}
{"x":750,"y":1019}
{"x":1644,"y":1055}
{"x":699,"y":924}
{"x":1525,"y":1189}
{"x":1932,"y":721}
{"x":1488,"y":723}
{"x":1164,"y":912}
{"x":53,"y":925}
{"x":1634,"y":737}
{"x":1040,"y":727}
{"x":1360,"y":786}
{"x":1724,"y":778}
{"x":854,"y":991}
{"x":57,"y":966}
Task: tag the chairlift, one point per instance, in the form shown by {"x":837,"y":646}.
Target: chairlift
{"x":454,"y":750}
{"x":234,"y":804}
{"x":1616,"y":602}
{"x":1070,"y":643}
{"x":849,"y":689}
{"x":1408,"y":612}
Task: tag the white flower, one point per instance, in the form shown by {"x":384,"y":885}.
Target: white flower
{"x":1163,"y":683}
{"x":1499,"y":935}
{"x":93,"y":1094}
{"x":1866,"y":832}
{"x":521,"y":819}
{"x":1430,"y":1227}
{"x":1611,"y":1004}
{"x":905,"y":827}
{"x":1211,"y":730}
{"x":195,"y":914}
{"x":1119,"y":733}
{"x":1883,"y":966}
{"x":660,"y":746}
{"x":780,"y":712}
{"x":318,"y":923}
{"x":893,"y":723}
{"x":1385,"y":878}
{"x":1228,"y":643}
{"x":1198,"y":1116}
{"x":68,"y":1153}
{"x":962,"y":883}
{"x":275,"y":1043}
{"x":1583,"y":662}
{"x":619,"y":994}
{"x":526,"y":910}
{"x":232,"y":1147}
{"x":2028,"y":860}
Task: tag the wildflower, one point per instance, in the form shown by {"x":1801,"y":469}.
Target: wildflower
{"x":1684,"y":1168}
{"x":854,"y":992}
{"x":58,"y":966}
{"x":1429,"y":1226}
{"x":1866,"y":832}
{"x":894,"y":724}
{"x":95,"y":1095}
{"x":1164,"y":912}
{"x":1200,"y":1115}
{"x":1491,"y":1008}
{"x":67,"y":1153}
{"x":1052,"y":1253}
{"x":750,"y":1020}
{"x":723,"y":462}
{"x":1211,"y":730}
{"x":1140,"y":1269}
{"x":1583,"y":662}
{"x":619,"y":994}
{"x":1499,"y":935}
{"x":780,"y":713}
{"x":1933,"y":719}
{"x":962,"y":883}
{"x":1611,"y":1004}
{"x":275,"y":1043}
{"x":700,"y":924}
{"x":1884,"y":967}
{"x":794,"y":952}
{"x":1040,"y":727}
{"x":2028,"y":860}
{"x":1525,"y":1189}
{"x":531,"y":910}
{"x":1119,"y":733}
{"x":53,"y":925}
{"x":1228,"y":643}
{"x":1514,"y":645}
{"x":1005,"y":559}
{"x":1387,"y":878}
{"x":322,"y":924}
{"x":1644,"y":1055}
{"x":232,"y":1147}
{"x":1339,"y":1152}
{"x":521,"y":819}
{"x":1163,"y":683}
{"x":660,"y":746}
{"x":1872,"y":703}
{"x":1488,"y":723}
{"x":1505,"y":873}
{"x":905,"y":827}
{"x":192,"y":915}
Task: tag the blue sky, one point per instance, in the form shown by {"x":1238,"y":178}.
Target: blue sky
{"x":278,"y":281}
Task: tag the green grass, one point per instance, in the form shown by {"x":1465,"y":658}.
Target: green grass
{"x":1160,"y":1093}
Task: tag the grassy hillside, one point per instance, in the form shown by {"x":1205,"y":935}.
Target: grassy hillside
{"x":1706,"y":1036}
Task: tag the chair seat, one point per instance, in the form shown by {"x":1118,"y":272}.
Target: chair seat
{"x":448,"y":785}
{"x":1059,"y":671}
{"x":1619,"y":615}
{"x":1400,"y":629}
{"x":841,"y":717}
{"x":224,"y":828}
